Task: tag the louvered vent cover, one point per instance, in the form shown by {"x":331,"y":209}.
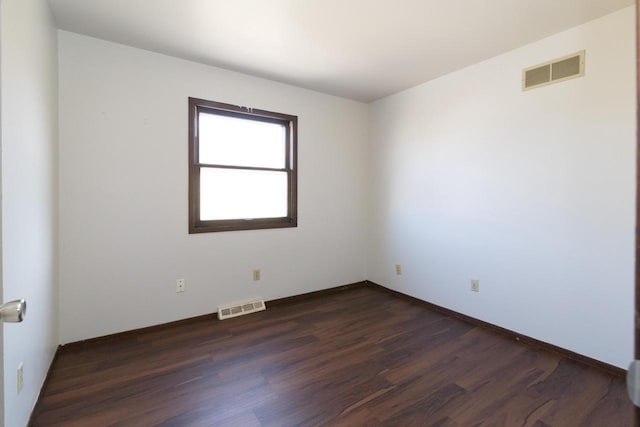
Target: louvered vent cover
{"x":238,"y":309}
{"x":558,"y":70}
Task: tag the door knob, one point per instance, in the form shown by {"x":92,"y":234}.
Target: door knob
{"x":13,"y":311}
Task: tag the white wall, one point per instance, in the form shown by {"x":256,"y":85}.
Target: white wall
{"x":532,"y":193}
{"x":29,"y":196}
{"x":123,"y":193}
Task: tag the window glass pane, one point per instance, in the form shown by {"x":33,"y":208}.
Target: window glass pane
{"x":242,"y":194}
{"x":241,"y":142}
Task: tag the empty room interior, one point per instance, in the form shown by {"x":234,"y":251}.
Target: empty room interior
{"x":300,"y":213}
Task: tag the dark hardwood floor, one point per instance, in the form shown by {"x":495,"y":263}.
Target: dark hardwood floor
{"x":360,"y":357}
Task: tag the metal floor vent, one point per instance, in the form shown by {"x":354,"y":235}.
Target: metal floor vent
{"x":238,"y":309}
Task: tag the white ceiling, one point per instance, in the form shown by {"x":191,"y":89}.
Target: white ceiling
{"x":358,"y":49}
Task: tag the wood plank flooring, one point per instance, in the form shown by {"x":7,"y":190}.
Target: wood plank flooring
{"x":360,"y":357}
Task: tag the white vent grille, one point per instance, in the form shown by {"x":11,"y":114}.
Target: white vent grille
{"x":238,"y":309}
{"x":558,"y":70}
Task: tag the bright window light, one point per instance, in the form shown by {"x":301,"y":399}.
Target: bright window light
{"x":234,"y":141}
{"x":242,"y":194}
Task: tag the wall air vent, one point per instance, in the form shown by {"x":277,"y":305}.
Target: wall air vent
{"x":238,"y":309}
{"x":558,"y":70}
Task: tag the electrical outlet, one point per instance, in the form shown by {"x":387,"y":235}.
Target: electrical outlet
{"x":398,"y":269}
{"x":20,"y":377}
{"x":256,"y":274}
{"x":180,"y":285}
{"x":475,"y":285}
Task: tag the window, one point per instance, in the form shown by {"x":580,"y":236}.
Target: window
{"x":242,"y":168}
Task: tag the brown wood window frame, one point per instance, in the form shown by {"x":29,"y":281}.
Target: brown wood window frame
{"x":196,"y":225}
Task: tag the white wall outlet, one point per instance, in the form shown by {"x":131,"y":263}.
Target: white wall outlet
{"x":20,"y":377}
{"x":256,"y":274}
{"x":475,"y":285}
{"x":398,"y":269}
{"x":180,"y":285}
